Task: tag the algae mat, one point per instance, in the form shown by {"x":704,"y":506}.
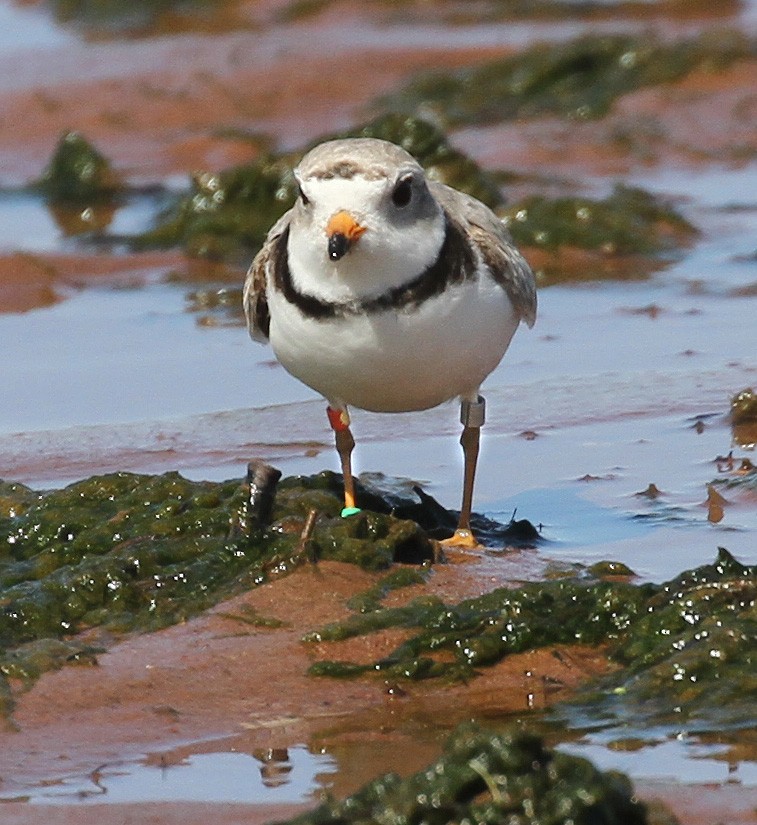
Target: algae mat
{"x":131,"y":551}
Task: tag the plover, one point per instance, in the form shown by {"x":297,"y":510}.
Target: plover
{"x":383,"y":290}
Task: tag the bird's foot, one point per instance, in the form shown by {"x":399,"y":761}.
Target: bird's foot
{"x":350,"y":511}
{"x":462,"y":538}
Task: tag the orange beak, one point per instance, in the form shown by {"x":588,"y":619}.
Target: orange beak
{"x":342,"y":231}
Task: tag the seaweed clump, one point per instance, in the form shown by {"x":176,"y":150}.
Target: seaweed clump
{"x":744,"y":418}
{"x":686,"y":646}
{"x":128,"y":551}
{"x":744,"y":407}
{"x":80,"y":186}
{"x":487,"y":777}
{"x":455,"y":640}
{"x":117,"y":18}
{"x":692,"y":653}
{"x":78,"y":172}
{"x":227,"y":214}
{"x":578,"y":79}
{"x":628,"y":221}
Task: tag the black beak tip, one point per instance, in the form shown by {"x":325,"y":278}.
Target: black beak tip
{"x":338,"y":246}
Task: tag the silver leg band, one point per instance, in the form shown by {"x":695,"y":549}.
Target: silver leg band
{"x":473,"y":413}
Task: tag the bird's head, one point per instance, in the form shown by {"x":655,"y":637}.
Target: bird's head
{"x":364,"y":215}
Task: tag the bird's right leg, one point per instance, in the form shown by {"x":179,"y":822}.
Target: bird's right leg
{"x":345,"y":444}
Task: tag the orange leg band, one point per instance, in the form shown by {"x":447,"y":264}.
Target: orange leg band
{"x":339,"y":419}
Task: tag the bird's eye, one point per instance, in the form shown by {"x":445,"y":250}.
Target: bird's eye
{"x":303,"y":197}
{"x":403,"y":192}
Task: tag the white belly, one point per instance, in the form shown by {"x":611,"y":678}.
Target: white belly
{"x":398,"y":361}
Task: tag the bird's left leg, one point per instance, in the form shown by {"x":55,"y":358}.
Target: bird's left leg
{"x":345,"y":444}
{"x":472,"y":414}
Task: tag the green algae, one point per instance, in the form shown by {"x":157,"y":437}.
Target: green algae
{"x":124,"y":550}
{"x":216,"y":306}
{"x":610,"y":569}
{"x":579,"y":79}
{"x":128,"y":551}
{"x":628,"y":221}
{"x":227,"y":214}
{"x":483,"y":630}
{"x":370,"y":600}
{"x":78,"y":172}
{"x":487,"y":777}
{"x":420,"y":612}
{"x":744,"y":407}
{"x":15,"y":498}
{"x":29,"y":661}
{"x":338,"y":670}
{"x":369,"y":538}
{"x":247,"y":615}
{"x":744,"y":418}
{"x":116,"y":17}
{"x":686,"y":646}
{"x":578,"y":9}
{"x":495,"y":10}
{"x":690,"y":662}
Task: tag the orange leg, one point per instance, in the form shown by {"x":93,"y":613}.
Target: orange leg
{"x":472,"y":418}
{"x":345,"y":444}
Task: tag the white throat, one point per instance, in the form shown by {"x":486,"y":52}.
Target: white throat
{"x":388,"y":254}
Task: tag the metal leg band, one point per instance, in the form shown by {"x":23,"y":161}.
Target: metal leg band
{"x":473,"y":413}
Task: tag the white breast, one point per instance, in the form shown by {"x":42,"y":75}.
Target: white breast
{"x":392,"y":361}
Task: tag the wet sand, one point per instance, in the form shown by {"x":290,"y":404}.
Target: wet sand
{"x":216,"y":680}
{"x":216,"y":677}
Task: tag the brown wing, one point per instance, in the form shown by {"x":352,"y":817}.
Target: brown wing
{"x":254,"y":297}
{"x":487,"y":231}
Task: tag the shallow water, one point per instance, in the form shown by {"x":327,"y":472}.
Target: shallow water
{"x":612,"y":380}
{"x":666,"y":758}
{"x":268,"y":776}
{"x":28,"y":224}
{"x":224,"y":772}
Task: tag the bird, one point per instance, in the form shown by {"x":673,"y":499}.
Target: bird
{"x":385,"y":290}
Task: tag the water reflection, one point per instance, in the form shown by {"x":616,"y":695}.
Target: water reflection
{"x":273,"y":775}
{"x":31,"y":223}
{"x":661,"y":755}
{"x":275,"y":766}
{"x":83,"y":219}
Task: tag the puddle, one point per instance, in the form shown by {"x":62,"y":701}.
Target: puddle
{"x":668,"y":758}
{"x":266,"y":777}
{"x":300,"y":775}
{"x":29,"y":224}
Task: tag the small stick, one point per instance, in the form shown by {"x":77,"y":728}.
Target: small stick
{"x":305,"y":546}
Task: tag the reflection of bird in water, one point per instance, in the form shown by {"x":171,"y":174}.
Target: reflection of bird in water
{"x":275,"y":767}
{"x":389,"y":292}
